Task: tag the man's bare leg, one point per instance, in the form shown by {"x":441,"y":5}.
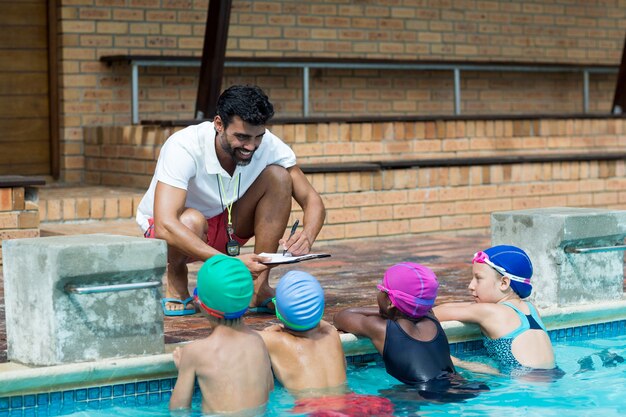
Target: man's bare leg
{"x":177,"y":279}
{"x":263,"y":212}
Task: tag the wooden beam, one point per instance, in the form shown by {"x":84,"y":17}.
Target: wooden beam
{"x":53,"y":90}
{"x":619,"y":99}
{"x":213,"y":56}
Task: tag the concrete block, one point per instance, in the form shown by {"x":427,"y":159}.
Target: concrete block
{"x":48,"y":325}
{"x":561,"y":278}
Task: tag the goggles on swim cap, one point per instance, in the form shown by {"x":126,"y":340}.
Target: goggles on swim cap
{"x":482,"y":258}
{"x":216,"y":313}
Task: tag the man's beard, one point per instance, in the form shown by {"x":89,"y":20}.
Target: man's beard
{"x":233,"y":154}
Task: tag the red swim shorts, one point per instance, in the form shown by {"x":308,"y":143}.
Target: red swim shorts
{"x":216,"y":233}
{"x":352,"y":405}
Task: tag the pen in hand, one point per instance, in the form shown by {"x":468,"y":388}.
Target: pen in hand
{"x":293,"y":231}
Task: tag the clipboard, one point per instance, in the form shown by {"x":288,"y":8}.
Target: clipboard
{"x":279,"y":258}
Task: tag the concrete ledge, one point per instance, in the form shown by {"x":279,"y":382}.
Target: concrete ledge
{"x":84,"y":374}
{"x":16,"y":380}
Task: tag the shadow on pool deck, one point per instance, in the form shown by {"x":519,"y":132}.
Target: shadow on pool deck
{"x":349,"y":277}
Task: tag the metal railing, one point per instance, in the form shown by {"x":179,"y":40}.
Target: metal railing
{"x":570,"y":249}
{"x":455,"y":69}
{"x":91,"y":289}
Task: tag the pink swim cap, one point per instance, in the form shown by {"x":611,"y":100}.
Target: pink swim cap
{"x":412,"y":288}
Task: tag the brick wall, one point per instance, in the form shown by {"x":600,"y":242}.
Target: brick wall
{"x":60,"y":204}
{"x":19,"y":214}
{"x":419,"y":200}
{"x":459,"y":200}
{"x":92,"y":94}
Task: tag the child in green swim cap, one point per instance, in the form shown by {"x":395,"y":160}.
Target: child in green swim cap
{"x":232,"y":352}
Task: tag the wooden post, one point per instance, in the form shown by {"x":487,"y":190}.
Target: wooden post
{"x":213,"y":56}
{"x":619,"y":99}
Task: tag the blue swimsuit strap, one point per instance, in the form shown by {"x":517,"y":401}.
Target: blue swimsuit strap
{"x":535,"y":315}
{"x":524,"y":325}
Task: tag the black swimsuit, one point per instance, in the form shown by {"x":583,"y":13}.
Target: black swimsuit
{"x":413,"y":361}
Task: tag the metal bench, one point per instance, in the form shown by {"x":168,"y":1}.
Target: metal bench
{"x":306,"y":64}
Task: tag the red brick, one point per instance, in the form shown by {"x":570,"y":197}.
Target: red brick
{"x":393,"y":227}
{"x":362,"y":229}
{"x":52,"y":211}
{"x":6,"y":199}
{"x":9,"y":220}
{"x":343,"y":215}
{"x":28,"y":220}
{"x":425,"y":224}
{"x":18,"y":198}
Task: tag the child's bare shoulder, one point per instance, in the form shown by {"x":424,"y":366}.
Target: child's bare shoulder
{"x":194,"y":350}
{"x":254,"y":337}
{"x":200,"y":345}
{"x":490,"y":308}
{"x":328,"y":328}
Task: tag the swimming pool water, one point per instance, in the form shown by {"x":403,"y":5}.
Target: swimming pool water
{"x":597,"y":392}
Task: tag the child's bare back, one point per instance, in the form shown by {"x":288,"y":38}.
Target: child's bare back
{"x":310,"y":360}
{"x":232,"y":367}
{"x":306,"y":352}
{"x":232,"y":364}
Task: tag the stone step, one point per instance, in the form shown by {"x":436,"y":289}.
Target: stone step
{"x":62,"y":204}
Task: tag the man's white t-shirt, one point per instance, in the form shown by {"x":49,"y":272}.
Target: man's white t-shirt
{"x":188,"y":161}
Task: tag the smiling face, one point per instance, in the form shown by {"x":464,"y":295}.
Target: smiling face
{"x":237,"y":142}
{"x":487,"y":285}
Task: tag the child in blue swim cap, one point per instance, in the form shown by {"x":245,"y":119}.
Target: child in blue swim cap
{"x":513,"y":332}
{"x":232,"y":352}
{"x":305,"y":351}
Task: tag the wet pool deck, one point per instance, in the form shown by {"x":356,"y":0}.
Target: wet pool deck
{"x":349,"y":276}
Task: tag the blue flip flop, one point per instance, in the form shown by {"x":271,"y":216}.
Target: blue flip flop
{"x":263,"y":308}
{"x":184,"y":312}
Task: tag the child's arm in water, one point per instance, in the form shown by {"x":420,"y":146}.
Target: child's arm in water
{"x":363,"y":321}
{"x":478,"y":367}
{"x":183,"y":390}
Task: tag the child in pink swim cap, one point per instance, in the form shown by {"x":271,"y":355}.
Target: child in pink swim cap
{"x":410,"y":339}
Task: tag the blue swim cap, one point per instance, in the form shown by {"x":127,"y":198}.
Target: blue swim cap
{"x":517,"y":266}
{"x":299,"y":301}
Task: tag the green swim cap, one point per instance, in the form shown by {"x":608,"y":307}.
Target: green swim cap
{"x":225,"y":287}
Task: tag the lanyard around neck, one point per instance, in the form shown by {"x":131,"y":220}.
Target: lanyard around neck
{"x":229,"y":205}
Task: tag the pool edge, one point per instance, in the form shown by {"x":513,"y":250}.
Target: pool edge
{"x":25,"y":380}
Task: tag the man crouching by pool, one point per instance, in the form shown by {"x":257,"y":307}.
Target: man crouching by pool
{"x":216,"y":185}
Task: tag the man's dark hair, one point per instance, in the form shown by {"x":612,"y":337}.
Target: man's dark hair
{"x":248,"y":102}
